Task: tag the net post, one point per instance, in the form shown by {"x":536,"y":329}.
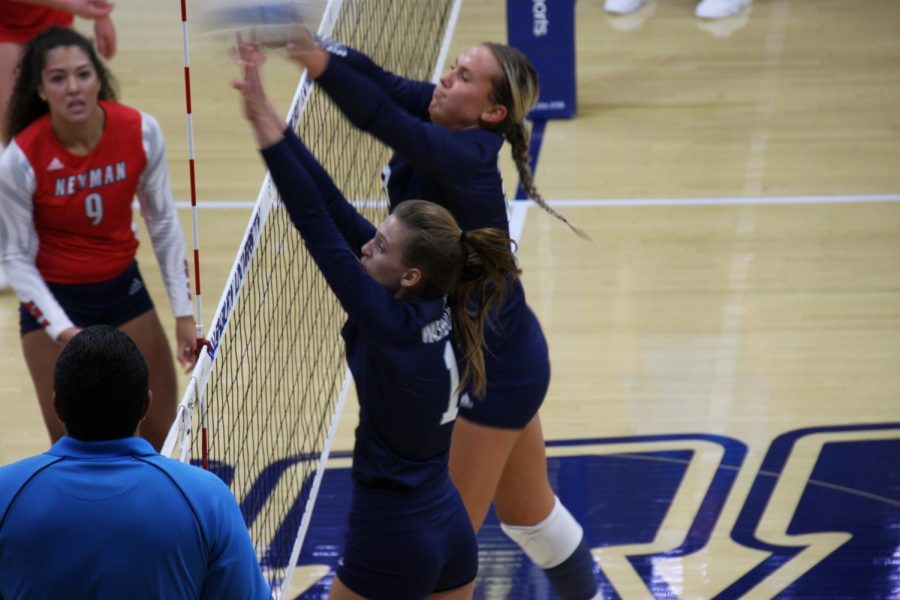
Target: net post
{"x":186,"y":56}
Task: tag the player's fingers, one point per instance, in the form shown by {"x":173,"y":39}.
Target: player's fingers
{"x":247,"y":51}
{"x":190,"y":359}
{"x":251,"y":75}
{"x":245,"y":48}
{"x":104,"y":47}
{"x":186,"y":354}
{"x":240,"y":48}
{"x":92,"y":11}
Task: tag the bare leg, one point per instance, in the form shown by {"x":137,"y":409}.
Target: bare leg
{"x":478,"y":456}
{"x":40,"y":355}
{"x":524,"y":495}
{"x":526,"y":504}
{"x":506,"y":466}
{"x":147,"y":332}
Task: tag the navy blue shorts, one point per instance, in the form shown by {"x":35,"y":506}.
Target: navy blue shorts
{"x":113,"y":302}
{"x":407,"y":544}
{"x":518,"y":375}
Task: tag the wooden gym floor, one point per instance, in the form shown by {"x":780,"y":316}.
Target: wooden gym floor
{"x":724,"y":416}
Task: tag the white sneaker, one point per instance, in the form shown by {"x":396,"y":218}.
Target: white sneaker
{"x":632,"y":21}
{"x":622,"y":7}
{"x":4,"y":282}
{"x":722,"y":28}
{"x":720,"y":9}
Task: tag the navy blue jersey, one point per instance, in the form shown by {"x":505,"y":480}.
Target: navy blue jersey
{"x":458,"y":170}
{"x":399,"y":351}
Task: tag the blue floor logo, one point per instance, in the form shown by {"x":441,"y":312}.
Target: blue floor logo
{"x":817,"y":517}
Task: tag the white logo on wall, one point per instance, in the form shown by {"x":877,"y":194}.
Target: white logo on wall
{"x":541,"y":22}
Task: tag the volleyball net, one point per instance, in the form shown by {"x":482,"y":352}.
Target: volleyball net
{"x":263,"y":403}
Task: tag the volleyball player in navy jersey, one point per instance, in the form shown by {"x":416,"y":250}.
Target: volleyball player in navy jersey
{"x":446,"y":139}
{"x":403,"y":287}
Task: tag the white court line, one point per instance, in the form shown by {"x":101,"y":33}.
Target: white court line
{"x":765,"y":106}
{"x":640,"y":202}
{"x":224,"y":204}
{"x":726,"y":201}
{"x":517,"y":213}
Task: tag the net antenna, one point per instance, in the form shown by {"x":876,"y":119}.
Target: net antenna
{"x":198,"y":298}
{"x":270,"y":384}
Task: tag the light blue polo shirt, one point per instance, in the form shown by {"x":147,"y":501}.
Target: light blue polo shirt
{"x":114,"y":519}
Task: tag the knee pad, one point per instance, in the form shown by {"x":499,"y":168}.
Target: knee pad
{"x":550,"y":542}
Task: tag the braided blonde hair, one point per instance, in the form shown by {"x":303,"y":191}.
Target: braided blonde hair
{"x":516,"y":87}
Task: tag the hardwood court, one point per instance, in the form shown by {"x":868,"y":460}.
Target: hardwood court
{"x":724,"y":410}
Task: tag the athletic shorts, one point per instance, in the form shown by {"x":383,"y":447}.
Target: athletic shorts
{"x":405,"y":545}
{"x":518,"y":375}
{"x":19,"y":22}
{"x":113,"y":302}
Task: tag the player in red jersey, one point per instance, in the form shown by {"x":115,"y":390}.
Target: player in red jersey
{"x":67,"y":240}
{"x":21,"y":20}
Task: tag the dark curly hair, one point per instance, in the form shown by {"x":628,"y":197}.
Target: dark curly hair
{"x":26,"y":105}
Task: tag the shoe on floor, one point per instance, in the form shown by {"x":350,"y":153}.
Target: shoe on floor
{"x":635,"y":20}
{"x":720,"y":9}
{"x":722,"y":28}
{"x":622,"y":7}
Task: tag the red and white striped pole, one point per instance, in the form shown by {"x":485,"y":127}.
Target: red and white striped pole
{"x":197,"y":294}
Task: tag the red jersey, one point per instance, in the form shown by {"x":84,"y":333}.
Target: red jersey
{"x":82,"y":204}
{"x":19,"y":22}
{"x":68,"y":219}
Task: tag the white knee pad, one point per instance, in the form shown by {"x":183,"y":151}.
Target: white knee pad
{"x":551,"y":541}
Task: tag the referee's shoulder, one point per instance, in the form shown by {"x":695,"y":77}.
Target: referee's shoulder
{"x":187,"y":476}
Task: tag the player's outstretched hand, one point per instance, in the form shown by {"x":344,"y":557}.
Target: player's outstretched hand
{"x":105,"y":37}
{"x":87,"y":9}
{"x":306,"y":52}
{"x":267,"y":127}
